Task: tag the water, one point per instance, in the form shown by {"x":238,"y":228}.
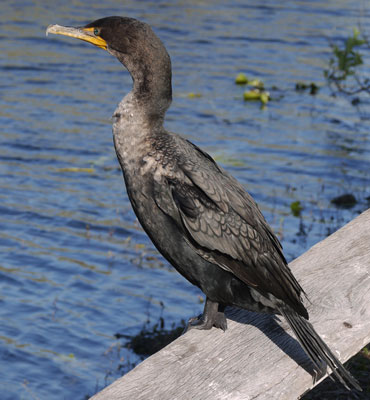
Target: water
{"x":75,"y":267}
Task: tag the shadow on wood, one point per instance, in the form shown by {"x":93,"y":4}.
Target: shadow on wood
{"x":270,"y":325}
{"x":257,"y":357}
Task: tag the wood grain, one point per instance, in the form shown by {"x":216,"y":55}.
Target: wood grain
{"x":258,"y":356}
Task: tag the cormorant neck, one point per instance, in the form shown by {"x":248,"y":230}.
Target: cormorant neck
{"x":151,"y":75}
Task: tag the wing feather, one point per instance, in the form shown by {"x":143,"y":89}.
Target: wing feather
{"x":224,"y":225}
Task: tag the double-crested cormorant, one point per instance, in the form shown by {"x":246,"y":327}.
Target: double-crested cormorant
{"x":197,"y":215}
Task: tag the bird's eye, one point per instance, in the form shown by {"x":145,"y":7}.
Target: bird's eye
{"x":96,"y":31}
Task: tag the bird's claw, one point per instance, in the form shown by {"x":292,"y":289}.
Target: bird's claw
{"x":218,"y":321}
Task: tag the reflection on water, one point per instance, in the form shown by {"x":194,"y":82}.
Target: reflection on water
{"x":76,"y":268}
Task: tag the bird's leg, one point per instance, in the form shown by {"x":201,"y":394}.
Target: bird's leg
{"x":213,"y":315}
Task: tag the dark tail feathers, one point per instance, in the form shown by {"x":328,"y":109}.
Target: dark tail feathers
{"x":317,"y":350}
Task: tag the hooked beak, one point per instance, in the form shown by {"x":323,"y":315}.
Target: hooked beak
{"x":86,"y":34}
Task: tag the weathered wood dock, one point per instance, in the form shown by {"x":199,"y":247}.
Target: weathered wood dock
{"x":258,"y":356}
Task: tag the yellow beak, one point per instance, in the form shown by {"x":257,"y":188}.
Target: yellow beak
{"x":86,"y":34}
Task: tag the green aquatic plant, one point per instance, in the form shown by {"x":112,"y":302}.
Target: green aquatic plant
{"x":256,"y":91}
{"x":343,"y":64}
{"x":296,"y":208}
{"x":265,"y":97}
{"x":257,"y":83}
{"x":257,"y":94}
{"x":193,"y":95}
{"x":241,"y":79}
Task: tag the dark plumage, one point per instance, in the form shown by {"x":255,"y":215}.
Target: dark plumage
{"x":197,"y":215}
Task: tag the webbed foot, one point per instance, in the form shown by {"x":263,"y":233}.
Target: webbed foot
{"x":211,"y":316}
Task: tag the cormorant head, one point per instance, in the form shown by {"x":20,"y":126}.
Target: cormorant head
{"x":135,"y":45}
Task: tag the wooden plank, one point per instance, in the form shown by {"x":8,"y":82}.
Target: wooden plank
{"x":258,"y":356}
